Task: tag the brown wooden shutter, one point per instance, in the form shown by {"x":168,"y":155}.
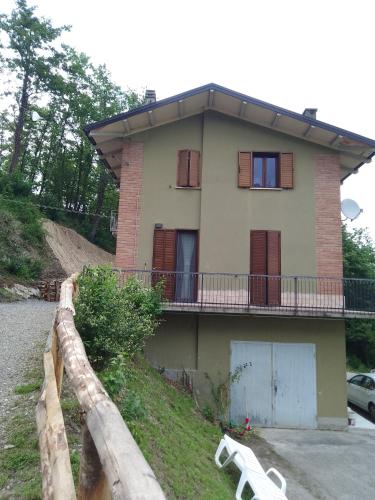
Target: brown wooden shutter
{"x":286,"y":170}
{"x":258,"y":266}
{"x":158,"y":254}
{"x":194,"y":169}
{"x":273,"y":268}
{"x":244,"y":170}
{"x":183,"y":168}
{"x":164,"y":259}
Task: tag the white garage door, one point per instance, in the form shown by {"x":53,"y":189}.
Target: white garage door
{"x":278,"y":386}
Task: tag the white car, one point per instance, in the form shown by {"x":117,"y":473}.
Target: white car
{"x":361,"y":392}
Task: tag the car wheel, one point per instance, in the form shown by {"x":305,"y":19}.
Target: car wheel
{"x":371,"y":410}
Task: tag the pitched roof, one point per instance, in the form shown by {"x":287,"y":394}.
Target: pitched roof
{"x":108,"y":135}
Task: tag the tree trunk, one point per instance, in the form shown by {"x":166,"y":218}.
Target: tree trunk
{"x":102,"y":186}
{"x":19,"y":125}
{"x":37,"y":153}
{"x":78,"y":184}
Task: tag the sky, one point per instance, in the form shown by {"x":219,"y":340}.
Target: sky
{"x":292,"y":53}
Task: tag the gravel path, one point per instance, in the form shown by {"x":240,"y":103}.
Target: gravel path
{"x":22,"y":326}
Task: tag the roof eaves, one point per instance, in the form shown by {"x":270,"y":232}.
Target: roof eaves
{"x":355,"y":169}
{"x":238,"y":95}
{"x":103,"y":160}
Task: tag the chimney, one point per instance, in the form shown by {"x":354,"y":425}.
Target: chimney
{"x":150,"y":96}
{"x":310,"y":113}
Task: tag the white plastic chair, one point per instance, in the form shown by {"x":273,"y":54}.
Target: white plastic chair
{"x":251,"y":471}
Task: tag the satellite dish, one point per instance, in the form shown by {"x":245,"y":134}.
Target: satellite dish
{"x":350,"y":209}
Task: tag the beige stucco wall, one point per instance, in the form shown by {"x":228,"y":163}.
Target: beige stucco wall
{"x":161,"y":202}
{"x":202,"y":343}
{"x":175,"y":344}
{"x":223,"y":212}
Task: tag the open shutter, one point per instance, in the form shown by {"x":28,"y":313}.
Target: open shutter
{"x":286,"y":170}
{"x":258,"y":267}
{"x":164,"y":259}
{"x":244,"y":170}
{"x":183,"y":168}
{"x":273,"y":268}
{"x":194,"y":169}
{"x":158,"y":254}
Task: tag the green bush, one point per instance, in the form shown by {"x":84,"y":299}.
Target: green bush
{"x":208,"y":413}
{"x":132,"y":407}
{"x":114,"y":376}
{"x":14,"y":185}
{"x":33,"y":233}
{"x":22,"y":267}
{"x":113,"y":320}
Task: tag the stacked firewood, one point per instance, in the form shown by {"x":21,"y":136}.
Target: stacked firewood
{"x":50,"y":290}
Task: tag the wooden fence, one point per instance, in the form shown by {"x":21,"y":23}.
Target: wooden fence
{"x":112,"y":465}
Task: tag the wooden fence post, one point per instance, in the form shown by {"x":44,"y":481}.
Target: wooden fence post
{"x":92,"y":481}
{"x":112,"y":465}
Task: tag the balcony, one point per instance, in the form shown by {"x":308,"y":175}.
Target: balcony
{"x":303,"y":296}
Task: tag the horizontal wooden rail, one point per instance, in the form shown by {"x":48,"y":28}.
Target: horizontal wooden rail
{"x":112,"y":465}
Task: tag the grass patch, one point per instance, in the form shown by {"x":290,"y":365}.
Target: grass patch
{"x":175,"y":439}
{"x":20,"y":475}
{"x":28,"y":388}
{"x":8,"y":296}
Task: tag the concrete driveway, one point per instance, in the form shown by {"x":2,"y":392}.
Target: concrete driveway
{"x":321,"y":464}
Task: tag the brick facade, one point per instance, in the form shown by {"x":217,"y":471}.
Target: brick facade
{"x":327,"y":216}
{"x":129,"y":205}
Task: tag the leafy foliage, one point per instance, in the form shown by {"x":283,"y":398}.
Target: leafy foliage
{"x":51,"y":92}
{"x":359,"y":254}
{"x":220,"y":393}
{"x":132,"y":407}
{"x":113,"y":320}
{"x":22,"y":250}
{"x":359,"y":262}
{"x":114,"y":376}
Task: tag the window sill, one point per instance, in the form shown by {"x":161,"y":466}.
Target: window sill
{"x":188,"y":188}
{"x":266,"y":189}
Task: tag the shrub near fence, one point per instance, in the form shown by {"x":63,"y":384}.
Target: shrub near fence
{"x":112,"y":466}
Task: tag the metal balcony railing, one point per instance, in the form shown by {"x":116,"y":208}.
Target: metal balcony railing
{"x":262,"y":294}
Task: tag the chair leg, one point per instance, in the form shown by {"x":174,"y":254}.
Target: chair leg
{"x":241,"y":486}
{"x":219,"y":451}
{"x":229,"y":459}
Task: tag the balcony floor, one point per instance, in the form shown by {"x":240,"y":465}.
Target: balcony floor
{"x":253,"y":310}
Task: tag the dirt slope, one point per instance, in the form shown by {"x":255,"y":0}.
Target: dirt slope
{"x":72,"y":250}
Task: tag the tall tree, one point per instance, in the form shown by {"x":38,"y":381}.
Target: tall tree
{"x":50,"y":157}
{"x":32,"y":59}
{"x":359,"y":262}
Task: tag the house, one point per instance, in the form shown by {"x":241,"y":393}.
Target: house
{"x":235,"y":204}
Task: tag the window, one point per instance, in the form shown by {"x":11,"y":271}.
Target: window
{"x":357,"y":380}
{"x":368,"y":383}
{"x":188,"y":168}
{"x":265,"y":170}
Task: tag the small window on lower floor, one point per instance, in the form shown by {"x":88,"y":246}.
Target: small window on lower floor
{"x":265,"y":170}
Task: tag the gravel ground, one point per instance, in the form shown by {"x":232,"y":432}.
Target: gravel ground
{"x":22,"y":325}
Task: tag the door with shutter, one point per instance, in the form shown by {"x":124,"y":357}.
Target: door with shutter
{"x":265,"y":267}
{"x":175,"y":257}
{"x":186,"y":266}
{"x":273,"y":268}
{"x":164,"y":259}
{"x":258,"y":267}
